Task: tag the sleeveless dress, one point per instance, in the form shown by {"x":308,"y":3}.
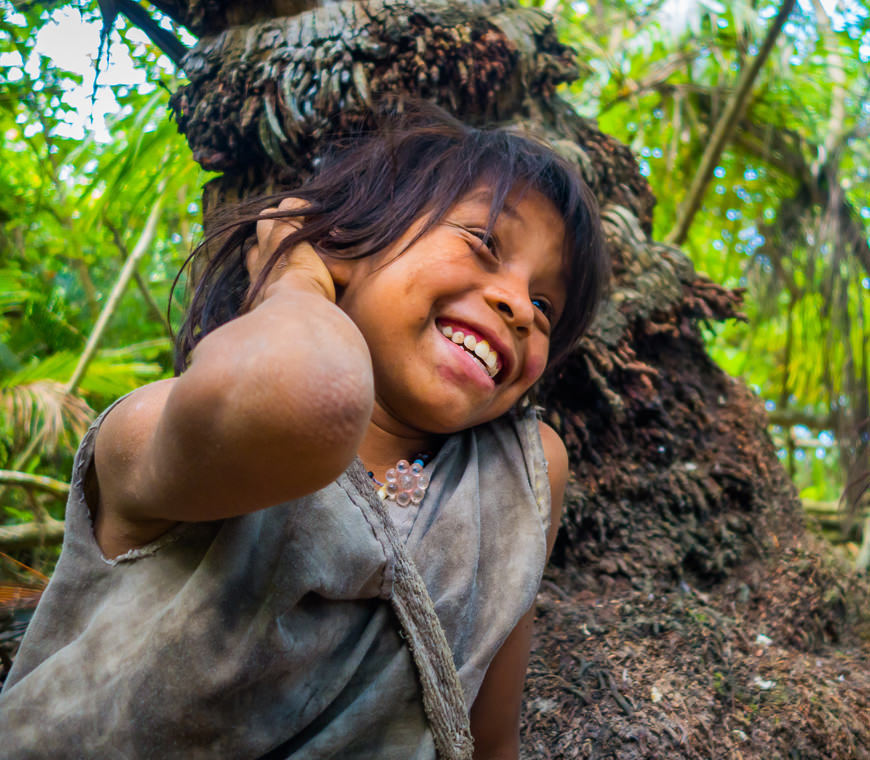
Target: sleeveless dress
{"x":276,"y":634}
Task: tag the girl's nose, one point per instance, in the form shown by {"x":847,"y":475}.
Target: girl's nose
{"x":515,"y":308}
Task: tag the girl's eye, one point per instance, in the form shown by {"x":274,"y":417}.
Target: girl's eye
{"x":487,"y":242}
{"x":543,"y":306}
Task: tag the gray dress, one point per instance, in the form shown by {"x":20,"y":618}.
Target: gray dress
{"x":277,"y":634}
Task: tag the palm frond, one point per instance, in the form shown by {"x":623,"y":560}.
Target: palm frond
{"x":14,"y":289}
{"x":44,"y":411}
{"x":18,"y":595}
{"x":112,"y":373}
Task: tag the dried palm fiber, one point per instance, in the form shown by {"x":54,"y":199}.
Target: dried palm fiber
{"x":270,"y":92}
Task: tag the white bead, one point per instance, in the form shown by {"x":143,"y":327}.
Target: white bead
{"x":402,"y":466}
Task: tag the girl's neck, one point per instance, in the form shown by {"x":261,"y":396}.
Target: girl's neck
{"x":382,"y":447}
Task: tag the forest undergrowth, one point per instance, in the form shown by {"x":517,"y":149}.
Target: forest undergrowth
{"x":771,"y":664}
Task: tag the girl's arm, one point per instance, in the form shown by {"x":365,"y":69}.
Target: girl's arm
{"x":495,"y":715}
{"x":273,"y":406}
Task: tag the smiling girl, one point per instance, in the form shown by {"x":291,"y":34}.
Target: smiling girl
{"x":324,"y":537}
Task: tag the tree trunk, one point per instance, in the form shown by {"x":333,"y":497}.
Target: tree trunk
{"x":675,"y":485}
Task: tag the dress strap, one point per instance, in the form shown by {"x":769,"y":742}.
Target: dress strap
{"x":443,"y":697}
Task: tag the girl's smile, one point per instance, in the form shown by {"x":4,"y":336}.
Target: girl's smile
{"x":487,"y":351}
{"x":462,"y":364}
{"x":458,"y":323}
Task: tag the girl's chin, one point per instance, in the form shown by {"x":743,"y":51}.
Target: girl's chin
{"x":457,"y":415}
{"x":449,"y":396}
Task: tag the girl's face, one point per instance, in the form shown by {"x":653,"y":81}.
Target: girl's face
{"x":506,"y":292}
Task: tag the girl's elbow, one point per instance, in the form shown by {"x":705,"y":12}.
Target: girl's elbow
{"x":341,"y":415}
{"x":349,"y":414}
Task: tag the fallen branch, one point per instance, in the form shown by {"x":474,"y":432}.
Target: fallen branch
{"x":38,"y":482}
{"x":801,"y":443}
{"x":45,"y":533}
{"x":789,"y":418}
{"x":815,"y":508}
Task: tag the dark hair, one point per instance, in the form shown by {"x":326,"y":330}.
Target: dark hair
{"x":370,"y":188}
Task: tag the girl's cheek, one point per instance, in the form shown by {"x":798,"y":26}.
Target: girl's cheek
{"x":535,"y":366}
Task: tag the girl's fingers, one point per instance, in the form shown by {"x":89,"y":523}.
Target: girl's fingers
{"x":300,"y":261}
{"x":279,"y":228}
{"x":270,"y":233}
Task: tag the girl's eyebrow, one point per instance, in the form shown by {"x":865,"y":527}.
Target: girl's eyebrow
{"x":485,"y":196}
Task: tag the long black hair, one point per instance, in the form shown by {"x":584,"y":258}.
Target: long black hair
{"x":370,"y":187}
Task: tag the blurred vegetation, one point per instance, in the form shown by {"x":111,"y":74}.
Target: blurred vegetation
{"x":787,"y":213}
{"x":74,"y":202}
{"x":786,"y":216}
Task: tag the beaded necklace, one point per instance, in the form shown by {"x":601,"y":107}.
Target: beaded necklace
{"x":406,"y":483}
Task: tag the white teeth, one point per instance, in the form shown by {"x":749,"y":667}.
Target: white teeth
{"x":478,"y":348}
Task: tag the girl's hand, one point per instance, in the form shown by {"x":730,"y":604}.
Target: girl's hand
{"x":300,"y":267}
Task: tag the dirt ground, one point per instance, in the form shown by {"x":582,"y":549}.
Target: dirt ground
{"x":773,"y":663}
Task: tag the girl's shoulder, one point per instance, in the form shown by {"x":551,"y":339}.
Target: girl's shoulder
{"x":556,"y":456}
{"x":120,"y":469}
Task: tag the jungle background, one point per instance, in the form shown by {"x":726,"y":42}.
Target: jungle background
{"x":720,"y":659}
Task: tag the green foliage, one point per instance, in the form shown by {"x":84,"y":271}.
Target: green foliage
{"x":72,"y":207}
{"x":786,"y":214}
